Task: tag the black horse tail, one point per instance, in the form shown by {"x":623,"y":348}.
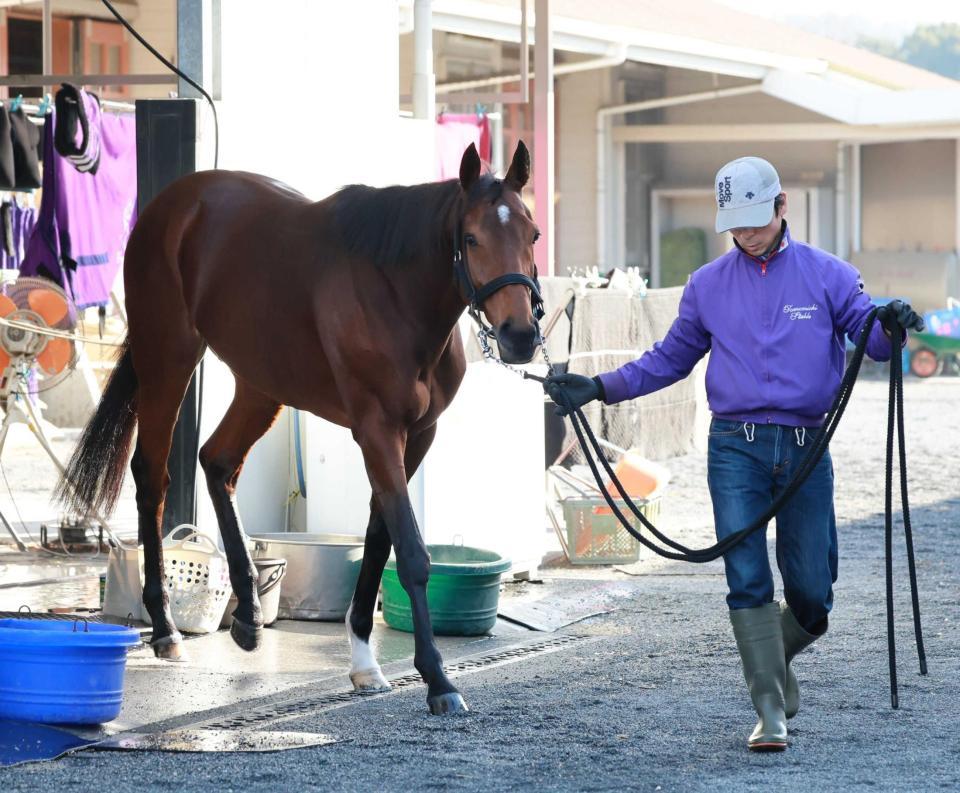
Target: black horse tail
{"x":95,"y":472}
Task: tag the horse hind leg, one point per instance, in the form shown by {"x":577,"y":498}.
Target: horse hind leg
{"x":365,"y":672}
{"x":160,"y":392}
{"x":249,"y":416}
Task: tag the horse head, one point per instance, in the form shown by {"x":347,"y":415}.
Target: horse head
{"x":494,"y":254}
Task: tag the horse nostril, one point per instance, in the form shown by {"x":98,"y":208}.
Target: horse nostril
{"x":528,"y":335}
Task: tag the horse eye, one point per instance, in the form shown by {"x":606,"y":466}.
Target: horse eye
{"x":536,"y":236}
{"x":470,"y":240}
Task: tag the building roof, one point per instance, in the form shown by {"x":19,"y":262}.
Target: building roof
{"x":695,"y":34}
{"x":702,"y":19}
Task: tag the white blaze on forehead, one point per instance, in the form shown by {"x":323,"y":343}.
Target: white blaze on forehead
{"x":503,"y":212}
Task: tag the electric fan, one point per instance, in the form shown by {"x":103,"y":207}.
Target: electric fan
{"x":37,"y":346}
{"x":37,"y":350}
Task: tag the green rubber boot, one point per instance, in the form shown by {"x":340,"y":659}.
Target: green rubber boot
{"x":760,"y":642}
{"x":795,"y":639}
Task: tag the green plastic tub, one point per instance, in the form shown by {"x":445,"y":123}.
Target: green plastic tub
{"x":463,"y":592}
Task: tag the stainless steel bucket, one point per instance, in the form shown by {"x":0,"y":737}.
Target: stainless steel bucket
{"x":270,"y":572}
{"x":322,"y":571}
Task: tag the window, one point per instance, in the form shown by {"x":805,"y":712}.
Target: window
{"x":102,"y":48}
{"x":80,"y":46}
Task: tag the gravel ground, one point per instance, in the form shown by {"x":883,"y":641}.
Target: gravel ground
{"x":657,"y":701}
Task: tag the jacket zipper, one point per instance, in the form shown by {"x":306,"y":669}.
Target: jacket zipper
{"x":763,"y":324}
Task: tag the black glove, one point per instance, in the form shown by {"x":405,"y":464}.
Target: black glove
{"x":896,"y":312}
{"x":578,"y":389}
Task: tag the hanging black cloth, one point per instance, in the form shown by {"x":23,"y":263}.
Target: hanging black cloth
{"x":77,"y":108}
{"x":7,"y":170}
{"x":26,"y":150}
{"x":6,"y":228}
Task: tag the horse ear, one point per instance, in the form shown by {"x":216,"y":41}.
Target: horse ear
{"x":519,"y":172}
{"x":469,"y":167}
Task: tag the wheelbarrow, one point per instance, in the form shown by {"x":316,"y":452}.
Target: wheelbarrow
{"x":939,"y":345}
{"x":929,"y":353}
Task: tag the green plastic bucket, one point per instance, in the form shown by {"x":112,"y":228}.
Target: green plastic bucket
{"x":462,"y":594}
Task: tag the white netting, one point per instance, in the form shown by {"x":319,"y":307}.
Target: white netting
{"x":611,"y":328}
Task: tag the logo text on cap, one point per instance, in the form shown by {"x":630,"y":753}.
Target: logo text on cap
{"x":724,"y":191}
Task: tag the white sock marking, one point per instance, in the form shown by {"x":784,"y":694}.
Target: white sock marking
{"x":362,"y":658}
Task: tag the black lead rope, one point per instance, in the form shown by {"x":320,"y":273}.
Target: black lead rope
{"x":811,"y":459}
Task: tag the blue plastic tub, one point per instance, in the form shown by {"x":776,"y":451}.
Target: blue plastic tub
{"x":62,"y":672}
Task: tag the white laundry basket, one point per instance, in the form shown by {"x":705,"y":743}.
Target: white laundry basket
{"x":197,"y":580}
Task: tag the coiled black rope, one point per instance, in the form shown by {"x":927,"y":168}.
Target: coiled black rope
{"x":813,"y":456}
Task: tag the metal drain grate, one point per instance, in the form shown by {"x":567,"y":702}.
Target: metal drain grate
{"x":296,"y":708}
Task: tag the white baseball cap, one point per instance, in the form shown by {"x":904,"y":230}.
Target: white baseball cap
{"x":746,"y":189}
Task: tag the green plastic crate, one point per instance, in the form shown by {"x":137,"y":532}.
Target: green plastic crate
{"x":594,"y":535}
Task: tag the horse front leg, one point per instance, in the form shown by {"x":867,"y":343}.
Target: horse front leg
{"x":383,"y":447}
{"x":365,"y":672}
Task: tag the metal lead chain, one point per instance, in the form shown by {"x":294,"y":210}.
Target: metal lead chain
{"x":483,"y":336}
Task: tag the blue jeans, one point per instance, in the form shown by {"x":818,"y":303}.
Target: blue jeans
{"x":748,"y":466}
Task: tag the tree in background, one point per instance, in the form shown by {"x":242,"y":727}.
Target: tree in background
{"x":935,"y":48}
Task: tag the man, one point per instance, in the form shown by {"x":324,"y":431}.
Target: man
{"x":773,"y":313}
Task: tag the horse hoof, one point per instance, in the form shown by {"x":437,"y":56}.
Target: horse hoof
{"x":369,"y":680}
{"x":246,"y":637}
{"x":442,"y":704}
{"x":169,"y":648}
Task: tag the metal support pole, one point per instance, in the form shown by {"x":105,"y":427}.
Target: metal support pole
{"x":543,"y":120}
{"x":956,"y":198}
{"x":524,"y":55}
{"x":424,"y":80}
{"x":167,"y":150}
{"x":856,"y":203}
{"x":198,"y":46}
{"x":841,"y":201}
{"x":47,"y":33}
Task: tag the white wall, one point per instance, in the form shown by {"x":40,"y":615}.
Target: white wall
{"x":266,"y":480}
{"x":310,"y":97}
{"x":909,"y":196}
{"x":482,"y":482}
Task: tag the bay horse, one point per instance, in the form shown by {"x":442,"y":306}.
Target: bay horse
{"x":346,"y":308}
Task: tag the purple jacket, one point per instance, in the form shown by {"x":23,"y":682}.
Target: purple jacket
{"x":775,"y":331}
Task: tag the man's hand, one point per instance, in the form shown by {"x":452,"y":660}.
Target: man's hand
{"x":578,"y":388}
{"x":896,"y":312}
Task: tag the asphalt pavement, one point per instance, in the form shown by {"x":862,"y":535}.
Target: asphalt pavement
{"x":652,"y":698}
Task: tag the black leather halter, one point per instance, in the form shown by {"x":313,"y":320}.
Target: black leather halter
{"x":476,"y":297}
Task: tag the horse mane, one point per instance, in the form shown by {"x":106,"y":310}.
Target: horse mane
{"x":393,"y":226}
